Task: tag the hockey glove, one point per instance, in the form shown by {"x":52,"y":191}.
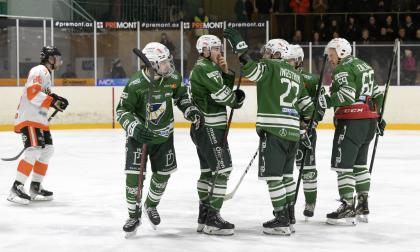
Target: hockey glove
{"x":324,"y":101}
{"x":239,"y":98}
{"x":305,"y":140}
{"x":380,"y":128}
{"x":261,"y":133}
{"x":58,"y":102}
{"x":140,"y":133}
{"x":235,"y":40}
{"x":194,"y":115}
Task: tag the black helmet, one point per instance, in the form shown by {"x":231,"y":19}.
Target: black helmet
{"x":48,"y":51}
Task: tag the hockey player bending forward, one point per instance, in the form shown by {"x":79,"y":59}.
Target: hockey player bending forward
{"x":32,"y":123}
{"x":282,"y":100}
{"x":211,"y":90}
{"x":355,"y":96}
{"x":156,"y":129}
{"x":310,"y":174}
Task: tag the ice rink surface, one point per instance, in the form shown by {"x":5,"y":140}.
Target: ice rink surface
{"x":89,"y":210}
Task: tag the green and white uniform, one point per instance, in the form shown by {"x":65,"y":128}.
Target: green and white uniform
{"x":281,"y":99}
{"x":131,"y":110}
{"x":211,"y":92}
{"x":355,"y":96}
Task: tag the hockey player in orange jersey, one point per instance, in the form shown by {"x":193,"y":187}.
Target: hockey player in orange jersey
{"x":31,"y":122}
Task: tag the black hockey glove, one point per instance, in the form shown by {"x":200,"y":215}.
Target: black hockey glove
{"x":235,"y":40}
{"x":380,"y":128}
{"x":140,"y":133}
{"x":58,"y":102}
{"x":239,"y":98}
{"x":305,"y":140}
{"x":261,"y":133}
{"x":194,"y":115}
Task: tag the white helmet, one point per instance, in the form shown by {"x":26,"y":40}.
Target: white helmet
{"x":160,"y":58}
{"x":341,"y":46}
{"x":277,"y":46}
{"x":207,"y":41}
{"x":296,"y":53}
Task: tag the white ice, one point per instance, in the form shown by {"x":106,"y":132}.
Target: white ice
{"x":89,"y":209}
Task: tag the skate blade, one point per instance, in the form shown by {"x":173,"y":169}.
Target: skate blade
{"x":129,"y":235}
{"x":362,"y":218}
{"x":292,"y":229}
{"x":41,"y":198}
{"x":200,"y":228}
{"x":282,"y":231}
{"x":16,"y":199}
{"x":217,"y":231}
{"x":342,"y":222}
{"x":151,"y":224}
{"x":307,"y":218}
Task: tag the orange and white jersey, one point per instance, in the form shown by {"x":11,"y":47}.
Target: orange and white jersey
{"x":35,"y":101}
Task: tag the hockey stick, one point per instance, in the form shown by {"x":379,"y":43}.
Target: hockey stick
{"x":382,"y":110}
{"x":144,"y":147}
{"x":23,"y":150}
{"x":310,"y":125}
{"x":231,"y":194}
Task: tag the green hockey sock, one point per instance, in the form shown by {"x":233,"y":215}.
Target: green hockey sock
{"x":290,"y":187}
{"x":309,"y":181}
{"x":203,"y":187}
{"x":362,"y":176}
{"x":131,"y":184}
{"x":277,"y":192}
{"x":346,"y":185}
{"x":219,"y":190}
{"x":157,"y":188}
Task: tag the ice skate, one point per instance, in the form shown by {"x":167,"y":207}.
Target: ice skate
{"x":362,"y":208}
{"x":152,"y":216}
{"x":18,"y":194}
{"x":216,"y":225}
{"x":38,"y":193}
{"x":292,"y":219}
{"x":309,"y":211}
{"x":344,"y":215}
{"x":280,"y":225}
{"x":130,"y":227}
{"x":202,"y":215}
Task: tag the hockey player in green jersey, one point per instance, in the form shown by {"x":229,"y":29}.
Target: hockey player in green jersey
{"x":355,"y":97}
{"x":282,"y":100}
{"x":211,"y":91}
{"x":152,"y":124}
{"x":310,"y":174}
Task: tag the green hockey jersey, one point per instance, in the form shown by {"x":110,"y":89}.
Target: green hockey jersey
{"x":134,"y":98}
{"x":353,"y":82}
{"x":281,"y":97}
{"x":211,"y":92}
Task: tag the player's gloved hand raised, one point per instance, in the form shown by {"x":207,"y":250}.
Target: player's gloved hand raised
{"x":58,"y":102}
{"x":239,"y":98}
{"x":235,"y":40}
{"x":380,"y":128}
{"x":324,"y":101}
{"x":305,"y":140}
{"x":194,"y":115}
{"x":140,"y":133}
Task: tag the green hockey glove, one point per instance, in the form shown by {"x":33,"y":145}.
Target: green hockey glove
{"x":381,"y":127}
{"x":235,"y":40}
{"x":305,"y":140}
{"x":140,"y":133}
{"x":194,"y":115}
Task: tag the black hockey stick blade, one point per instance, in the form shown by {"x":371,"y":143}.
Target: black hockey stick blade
{"x":15,"y":157}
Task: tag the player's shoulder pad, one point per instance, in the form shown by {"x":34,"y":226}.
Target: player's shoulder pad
{"x":135,"y":79}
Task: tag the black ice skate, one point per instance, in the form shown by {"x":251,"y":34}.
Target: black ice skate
{"x":153,"y":216}
{"x":216,"y":225}
{"x":18,"y":195}
{"x":344,"y":215}
{"x":38,"y":193}
{"x":309,"y":210}
{"x":280,"y":225}
{"x":130,"y":227}
{"x":202,"y":215}
{"x":362,"y":208}
{"x":292,"y":219}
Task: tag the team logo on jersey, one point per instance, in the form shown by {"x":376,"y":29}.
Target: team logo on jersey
{"x":157,"y":110}
{"x":283,"y":132}
{"x":170,"y":158}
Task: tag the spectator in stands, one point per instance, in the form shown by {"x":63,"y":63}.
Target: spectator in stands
{"x":167,"y":42}
{"x":297,"y":37}
{"x":352,"y":31}
{"x":383,"y":36}
{"x":382,"y":6}
{"x":263,"y":8}
{"x":409,"y":28}
{"x":335,"y":35}
{"x":366,"y":38}
{"x":319,"y":6}
{"x":300,"y":7}
{"x":391,"y":27}
{"x":117,"y":70}
{"x":401,"y":34}
{"x":69,"y":73}
{"x":315,"y":38}
{"x":408,"y":68}
{"x":373,"y":27}
{"x":322,"y":30}
{"x":243,"y":10}
{"x":334,"y":27}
